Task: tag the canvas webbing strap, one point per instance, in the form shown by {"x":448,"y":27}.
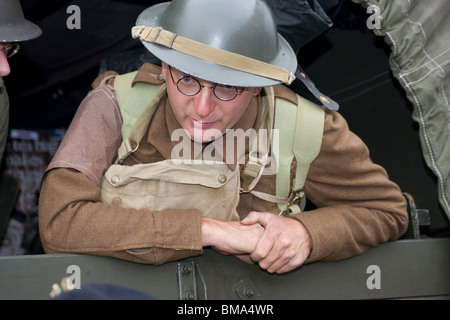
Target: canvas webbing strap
{"x":197,"y":49}
{"x":285,"y":113}
{"x":259,"y":151}
{"x":309,"y":132}
{"x":137,"y":105}
{"x":301,"y":139}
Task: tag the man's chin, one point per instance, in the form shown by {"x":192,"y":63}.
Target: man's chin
{"x":204,"y":135}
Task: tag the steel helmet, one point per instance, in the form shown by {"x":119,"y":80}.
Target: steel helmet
{"x":233,"y":42}
{"x":13,"y":25}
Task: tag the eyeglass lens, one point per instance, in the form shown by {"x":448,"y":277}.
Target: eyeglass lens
{"x":11,"y":50}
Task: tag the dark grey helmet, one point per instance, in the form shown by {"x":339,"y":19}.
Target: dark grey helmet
{"x":245,"y":27}
{"x":13,"y":25}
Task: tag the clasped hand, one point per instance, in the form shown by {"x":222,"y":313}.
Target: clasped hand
{"x":278,"y":244}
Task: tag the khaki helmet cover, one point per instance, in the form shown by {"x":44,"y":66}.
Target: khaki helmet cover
{"x":13,"y":25}
{"x":244,"y":28}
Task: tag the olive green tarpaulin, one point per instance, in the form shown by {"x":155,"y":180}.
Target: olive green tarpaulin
{"x":418,"y":33}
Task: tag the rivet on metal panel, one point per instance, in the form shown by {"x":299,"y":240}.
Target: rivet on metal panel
{"x":246,"y":289}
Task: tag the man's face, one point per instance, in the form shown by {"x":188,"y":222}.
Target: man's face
{"x":202,"y":114}
{"x":4,"y":65}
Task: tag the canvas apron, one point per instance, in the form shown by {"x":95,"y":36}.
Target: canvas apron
{"x":213,"y":189}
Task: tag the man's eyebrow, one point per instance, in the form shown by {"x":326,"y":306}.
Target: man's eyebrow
{"x":181,"y":73}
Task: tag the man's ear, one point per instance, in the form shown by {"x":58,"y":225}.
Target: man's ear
{"x":256,"y":90}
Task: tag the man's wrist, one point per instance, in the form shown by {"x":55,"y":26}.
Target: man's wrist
{"x":207,"y":225}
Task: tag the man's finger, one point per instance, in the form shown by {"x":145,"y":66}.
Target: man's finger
{"x":255,"y":217}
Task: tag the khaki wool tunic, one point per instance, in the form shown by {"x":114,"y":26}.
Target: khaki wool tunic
{"x":357,"y":206}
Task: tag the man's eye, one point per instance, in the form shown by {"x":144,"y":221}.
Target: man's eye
{"x":187,"y":79}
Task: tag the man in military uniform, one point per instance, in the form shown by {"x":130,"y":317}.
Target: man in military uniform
{"x":14,"y":28}
{"x":224,"y":69}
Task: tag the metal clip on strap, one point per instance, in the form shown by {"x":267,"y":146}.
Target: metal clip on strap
{"x":126,"y":148}
{"x":296,"y":203}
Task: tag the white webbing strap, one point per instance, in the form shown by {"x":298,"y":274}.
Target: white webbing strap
{"x":221,"y":57}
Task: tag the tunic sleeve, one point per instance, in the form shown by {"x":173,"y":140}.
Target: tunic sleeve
{"x":93,"y":137}
{"x":72,"y":218}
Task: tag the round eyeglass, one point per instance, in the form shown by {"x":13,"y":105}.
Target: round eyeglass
{"x":11,"y":50}
{"x":190,"y":86}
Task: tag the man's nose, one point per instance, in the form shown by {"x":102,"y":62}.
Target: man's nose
{"x":4,"y":65}
{"x":205,"y":102}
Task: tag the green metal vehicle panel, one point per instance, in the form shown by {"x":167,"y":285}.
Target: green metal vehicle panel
{"x":404,"y":269}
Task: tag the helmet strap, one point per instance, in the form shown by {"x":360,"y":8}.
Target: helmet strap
{"x":158,"y":35}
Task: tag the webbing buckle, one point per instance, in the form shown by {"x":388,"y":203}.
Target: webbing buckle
{"x":295,"y":199}
{"x":296,"y":203}
{"x":258,"y":157}
{"x":248,"y":174}
{"x":168,"y":43}
{"x":252,"y":169}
